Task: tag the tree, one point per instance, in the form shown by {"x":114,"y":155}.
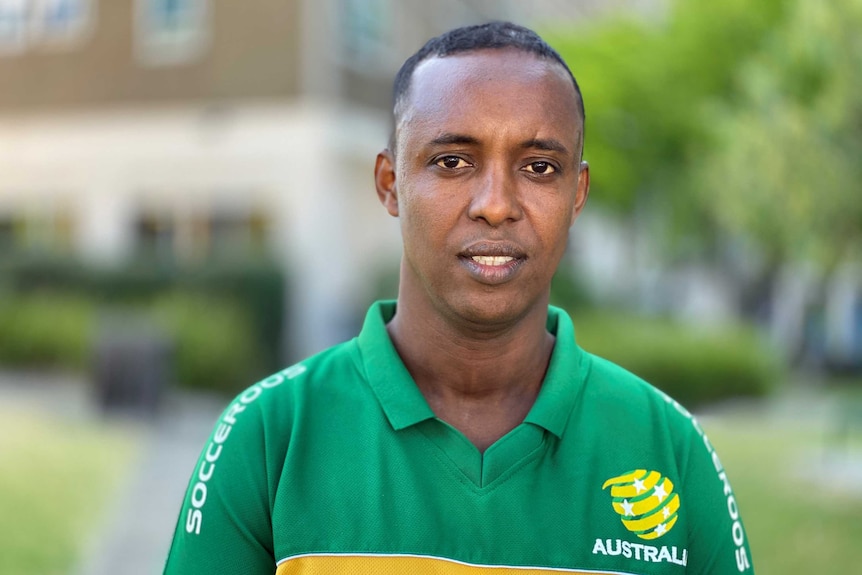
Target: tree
{"x":787,"y":167}
{"x":646,"y":84}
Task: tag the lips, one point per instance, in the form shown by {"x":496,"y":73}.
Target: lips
{"x":492,"y":262}
{"x":493,"y":250}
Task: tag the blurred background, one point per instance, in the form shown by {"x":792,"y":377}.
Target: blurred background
{"x":187,"y":205}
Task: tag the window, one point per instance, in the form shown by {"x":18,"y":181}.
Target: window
{"x":43,"y":23}
{"x":200,"y":235}
{"x":156,"y":235}
{"x":37,"y":231}
{"x":60,"y":22}
{"x":14,"y":15}
{"x":366,"y":27}
{"x":237,"y":235}
{"x":171,"y":32}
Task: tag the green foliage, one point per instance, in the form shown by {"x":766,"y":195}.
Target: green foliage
{"x":645,"y":85}
{"x":786,"y":171}
{"x":735,"y":116}
{"x":567,"y":292}
{"x":45,"y":330}
{"x":256,"y":286}
{"x":693,"y":366}
{"x":215,"y":344}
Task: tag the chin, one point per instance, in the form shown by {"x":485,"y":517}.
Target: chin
{"x":492,"y":311}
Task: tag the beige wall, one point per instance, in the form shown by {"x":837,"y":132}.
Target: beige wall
{"x":251,"y":52}
{"x":341,"y":50}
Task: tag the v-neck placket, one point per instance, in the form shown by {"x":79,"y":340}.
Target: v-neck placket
{"x":405,"y":406}
{"x":483,"y":469}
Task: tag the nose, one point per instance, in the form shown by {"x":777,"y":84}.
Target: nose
{"x":494,"y":198}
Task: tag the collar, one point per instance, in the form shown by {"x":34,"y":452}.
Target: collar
{"x":404,"y":405}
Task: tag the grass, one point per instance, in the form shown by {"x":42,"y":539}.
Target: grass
{"x":56,"y":478}
{"x":786,"y":473}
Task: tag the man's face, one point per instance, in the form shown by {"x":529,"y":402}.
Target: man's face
{"x":486,"y":180}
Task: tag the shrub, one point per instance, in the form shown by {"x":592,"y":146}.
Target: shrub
{"x":258,"y":286}
{"x":215,"y":346}
{"x":694,"y":366}
{"x":45,"y":330}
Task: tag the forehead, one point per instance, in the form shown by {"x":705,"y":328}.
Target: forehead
{"x":508,"y":90}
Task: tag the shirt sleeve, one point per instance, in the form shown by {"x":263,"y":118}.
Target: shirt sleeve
{"x":225,"y":522}
{"x":718,"y":542}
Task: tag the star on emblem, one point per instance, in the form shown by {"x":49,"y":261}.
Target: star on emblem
{"x":660,"y":529}
{"x":660,"y":492}
{"x":639,"y":485}
{"x":628,"y":508}
{"x":666,"y":512}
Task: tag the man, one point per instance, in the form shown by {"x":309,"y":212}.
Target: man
{"x":464,"y":431}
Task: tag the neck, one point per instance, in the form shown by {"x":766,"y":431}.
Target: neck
{"x":481,"y":381}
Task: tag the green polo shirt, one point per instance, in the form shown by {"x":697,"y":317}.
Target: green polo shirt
{"x":338,"y":465}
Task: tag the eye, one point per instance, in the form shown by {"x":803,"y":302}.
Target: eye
{"x":452,"y":162}
{"x":543,"y":168}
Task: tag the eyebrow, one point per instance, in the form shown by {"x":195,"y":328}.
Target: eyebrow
{"x":548,"y":144}
{"x":451,"y":138}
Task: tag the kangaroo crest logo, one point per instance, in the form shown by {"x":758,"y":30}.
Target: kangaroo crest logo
{"x":645,"y":501}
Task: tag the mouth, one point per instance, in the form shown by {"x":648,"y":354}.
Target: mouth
{"x":493,"y":253}
{"x":492,"y":263}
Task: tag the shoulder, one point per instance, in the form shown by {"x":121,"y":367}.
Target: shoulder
{"x":643,"y":418}
{"x":271,"y":406}
{"x":609,"y":382}
{"x":609,"y":394}
{"x":330,"y":370}
{"x":230,"y":495}
{"x":636,"y":408}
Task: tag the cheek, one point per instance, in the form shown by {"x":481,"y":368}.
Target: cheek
{"x":551,"y":221}
{"x":422,"y":228}
{"x":429,"y":214}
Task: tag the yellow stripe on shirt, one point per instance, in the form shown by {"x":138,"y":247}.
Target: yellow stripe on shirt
{"x":401,"y":564}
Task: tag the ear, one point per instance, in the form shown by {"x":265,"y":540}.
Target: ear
{"x":583,"y":190}
{"x":384,"y":180}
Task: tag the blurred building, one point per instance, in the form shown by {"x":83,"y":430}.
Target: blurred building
{"x":193,"y":129}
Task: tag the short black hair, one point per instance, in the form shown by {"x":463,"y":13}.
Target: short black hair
{"x":495,"y":35}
